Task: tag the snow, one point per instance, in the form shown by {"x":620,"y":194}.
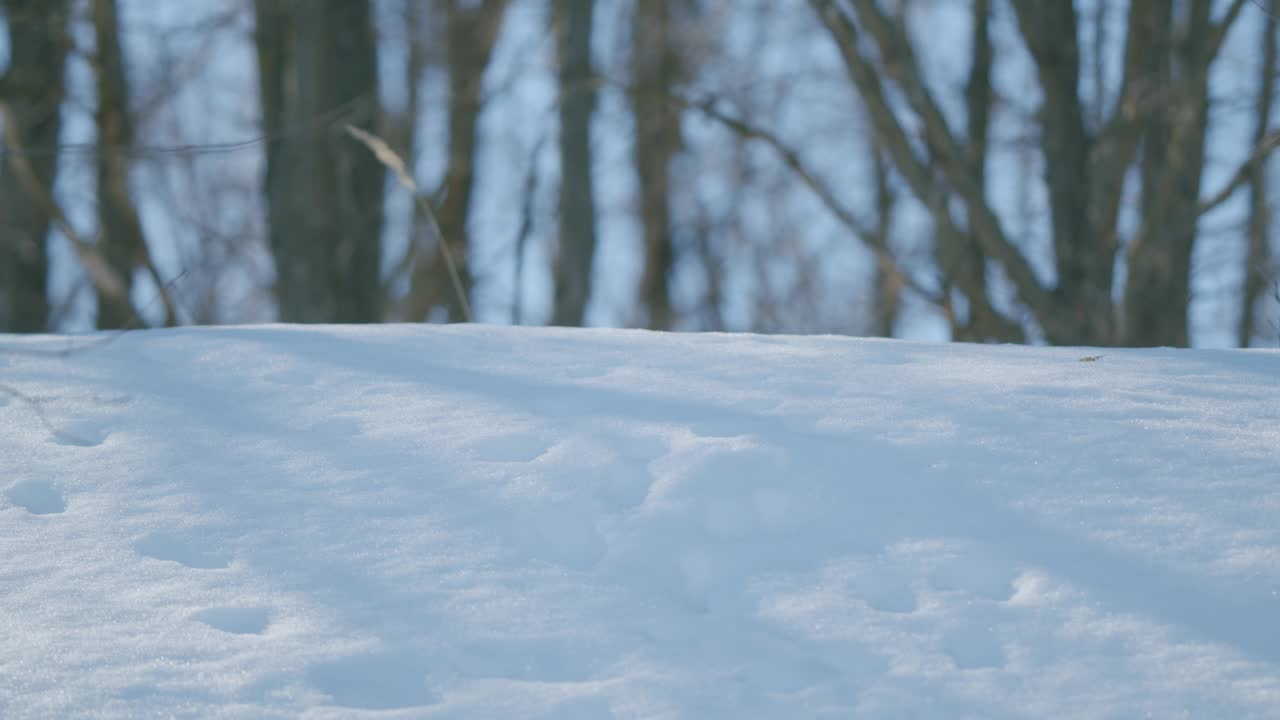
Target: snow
{"x":487,"y":522}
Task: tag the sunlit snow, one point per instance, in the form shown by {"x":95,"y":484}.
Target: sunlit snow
{"x":485,"y":522}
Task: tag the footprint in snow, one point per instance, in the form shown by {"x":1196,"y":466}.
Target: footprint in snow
{"x":587,"y":371}
{"x":81,"y":434}
{"x":892,"y":597}
{"x":515,"y":448}
{"x":237,"y":620}
{"x":77,"y":440}
{"x":981,"y":575}
{"x":290,"y":378}
{"x":113,"y":398}
{"x":887,"y":591}
{"x":973,"y":648}
{"x":384,"y":681}
{"x":188,"y":551}
{"x":721,"y":428}
{"x":38,"y":497}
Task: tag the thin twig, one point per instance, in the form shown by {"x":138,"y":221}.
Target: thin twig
{"x":1263,"y":8}
{"x":318,"y":124}
{"x":395,"y":164}
{"x":526,"y":228}
{"x":1266,"y":144}
{"x":37,"y":407}
{"x":106,"y":338}
{"x":791,"y":158}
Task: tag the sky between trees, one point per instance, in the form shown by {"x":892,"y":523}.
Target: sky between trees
{"x":1088,"y":173}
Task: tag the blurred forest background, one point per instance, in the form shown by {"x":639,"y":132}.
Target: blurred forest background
{"x":1088,"y":173}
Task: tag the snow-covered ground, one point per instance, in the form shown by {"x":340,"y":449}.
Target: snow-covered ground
{"x":485,"y":522}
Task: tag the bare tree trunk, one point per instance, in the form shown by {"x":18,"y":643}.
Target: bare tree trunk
{"x":1098,"y":65}
{"x":572,"y":28}
{"x":318,"y":71}
{"x":1163,"y":108}
{"x":472,"y":31}
{"x":32,"y":90}
{"x":888,"y":286}
{"x":121,"y":242}
{"x":1084,"y":258}
{"x":1158,"y":289}
{"x":1256,"y":272}
{"x":949,"y":168}
{"x":960,"y":253}
{"x":657,"y":69}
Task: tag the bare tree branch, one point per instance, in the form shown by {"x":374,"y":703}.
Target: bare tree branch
{"x":865,"y":233}
{"x":1264,"y":147}
{"x":1220,"y":29}
{"x":956,"y":165}
{"x":104,"y":278}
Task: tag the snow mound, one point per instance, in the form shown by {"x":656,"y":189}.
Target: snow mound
{"x":485,"y":522}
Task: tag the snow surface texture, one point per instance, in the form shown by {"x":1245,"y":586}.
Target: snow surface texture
{"x":484,"y":522}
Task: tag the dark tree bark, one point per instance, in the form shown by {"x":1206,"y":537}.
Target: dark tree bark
{"x":1158,"y":290}
{"x":572,"y":27}
{"x":1256,"y":272}
{"x":657,"y":69}
{"x":318,"y":71}
{"x":888,"y":285}
{"x":121,"y":242}
{"x":472,"y":31}
{"x":1084,"y":260}
{"x":960,"y":253}
{"x":31,"y":91}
